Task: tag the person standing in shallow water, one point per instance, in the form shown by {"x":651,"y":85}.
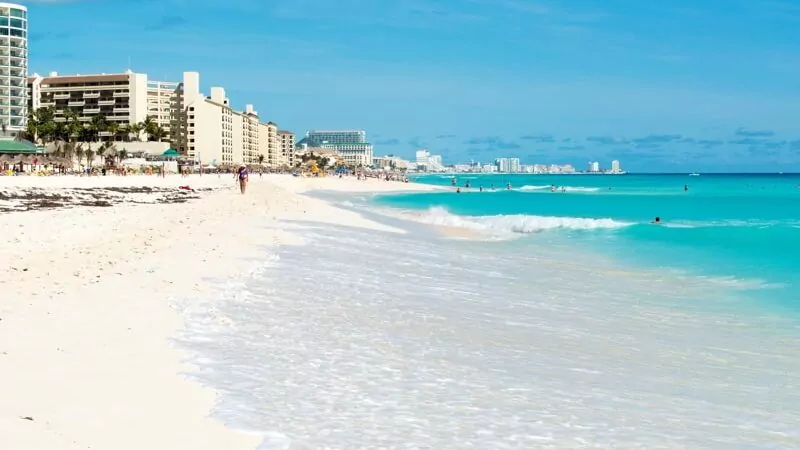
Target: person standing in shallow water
{"x":243,"y":178}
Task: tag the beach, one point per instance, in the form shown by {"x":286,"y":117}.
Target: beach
{"x":312,"y":313}
{"x":87,"y":315}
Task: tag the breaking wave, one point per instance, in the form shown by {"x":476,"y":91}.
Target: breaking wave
{"x":513,"y":223}
{"x":559,"y":188}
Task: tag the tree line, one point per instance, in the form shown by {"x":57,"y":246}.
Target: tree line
{"x":70,"y":134}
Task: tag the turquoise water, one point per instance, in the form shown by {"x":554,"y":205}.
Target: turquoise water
{"x":739,"y":231}
{"x":562,"y":320}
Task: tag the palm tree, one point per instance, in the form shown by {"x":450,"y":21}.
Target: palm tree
{"x":98,"y":125}
{"x":134,"y":131}
{"x":42,"y":125}
{"x":78,"y":150}
{"x":113,"y":128}
{"x":90,"y":154}
{"x":32,"y":128}
{"x":159,"y":134}
{"x":73,"y":131}
{"x":150,"y":128}
{"x":122,"y":154}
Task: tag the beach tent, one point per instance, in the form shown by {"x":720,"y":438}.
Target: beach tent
{"x":18,"y":147}
{"x":171,"y":153}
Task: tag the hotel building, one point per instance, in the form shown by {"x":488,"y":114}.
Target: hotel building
{"x":207,"y":128}
{"x":286,"y":141}
{"x":124,"y":98}
{"x":202,"y":127}
{"x":119,"y":97}
{"x":161,"y":102}
{"x":426,"y":162}
{"x":13,"y":67}
{"x":351,"y":145}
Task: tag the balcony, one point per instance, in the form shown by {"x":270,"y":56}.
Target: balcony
{"x":61,"y":96}
{"x":106,"y":102}
{"x":76,"y":103}
{"x":47,"y":104}
{"x":91,"y":110}
{"x":12,"y":43}
{"x":91,"y":95}
{"x":122,"y":110}
{"x":121,"y":94}
{"x":17,"y":55}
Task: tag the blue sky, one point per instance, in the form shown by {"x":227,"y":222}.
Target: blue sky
{"x":672,"y":85}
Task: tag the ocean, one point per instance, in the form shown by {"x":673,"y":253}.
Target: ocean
{"x":560,"y":319}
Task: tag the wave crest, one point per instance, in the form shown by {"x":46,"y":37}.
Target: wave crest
{"x":514,"y":223}
{"x":559,"y":188}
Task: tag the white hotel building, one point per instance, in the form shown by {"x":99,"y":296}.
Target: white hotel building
{"x":350,"y":145}
{"x":199,"y":126}
{"x":212,"y":132}
{"x":119,"y":97}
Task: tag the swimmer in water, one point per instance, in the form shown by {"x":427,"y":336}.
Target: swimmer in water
{"x":656,"y":221}
{"x":458,"y":190}
{"x":480,"y":188}
{"x":508,"y":186}
{"x":685,"y":188}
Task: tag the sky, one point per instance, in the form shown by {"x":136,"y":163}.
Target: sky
{"x":666,"y":86}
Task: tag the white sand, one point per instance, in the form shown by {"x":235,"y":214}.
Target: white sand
{"x":85,"y":315}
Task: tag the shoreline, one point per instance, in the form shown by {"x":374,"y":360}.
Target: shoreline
{"x":88,"y":317}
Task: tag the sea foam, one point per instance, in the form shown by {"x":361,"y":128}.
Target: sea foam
{"x":512,"y":223}
{"x":408,"y":341}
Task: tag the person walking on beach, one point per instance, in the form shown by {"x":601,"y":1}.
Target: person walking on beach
{"x":243,"y":177}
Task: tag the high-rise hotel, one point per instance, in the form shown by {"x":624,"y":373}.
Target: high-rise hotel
{"x":351,"y":145}
{"x":13,"y":67}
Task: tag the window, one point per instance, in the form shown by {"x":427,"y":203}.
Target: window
{"x":17,"y":13}
{"x":17,"y":23}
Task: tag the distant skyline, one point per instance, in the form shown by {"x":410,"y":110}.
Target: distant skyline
{"x":661,"y":86}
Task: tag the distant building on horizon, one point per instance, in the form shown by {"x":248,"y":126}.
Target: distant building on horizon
{"x":615,"y":167}
{"x":508,"y":165}
{"x":426,"y":162}
{"x":350,"y":145}
{"x":594,"y":167}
